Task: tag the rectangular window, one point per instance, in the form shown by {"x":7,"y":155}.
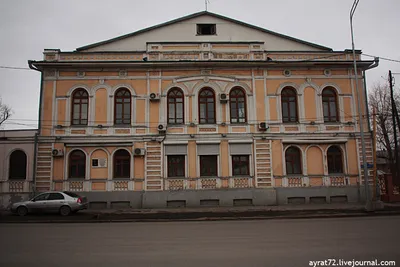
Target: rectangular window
{"x":206,"y":29}
{"x":240,"y":165}
{"x":176,"y":166}
{"x":208,"y":166}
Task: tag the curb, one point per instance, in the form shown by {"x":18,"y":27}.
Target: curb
{"x":115,"y":219}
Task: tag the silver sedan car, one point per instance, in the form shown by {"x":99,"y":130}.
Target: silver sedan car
{"x":61,"y":202}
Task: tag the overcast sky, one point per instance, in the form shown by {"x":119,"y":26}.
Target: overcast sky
{"x":28,"y":27}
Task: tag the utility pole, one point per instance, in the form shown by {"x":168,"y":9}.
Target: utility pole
{"x":374,"y":151}
{"x":368,"y":204}
{"x":396,"y":149}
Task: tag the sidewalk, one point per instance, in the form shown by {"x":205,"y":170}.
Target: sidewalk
{"x":206,"y":213}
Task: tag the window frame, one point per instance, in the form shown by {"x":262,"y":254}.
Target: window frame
{"x":200,"y":102}
{"x":293,"y":159}
{"x":123,"y":97}
{"x":241,"y":163}
{"x":16,"y":165}
{"x":81,"y":99}
{"x":236,"y":103}
{"x":202,"y":161}
{"x":335,"y":157}
{"x":332,"y":100}
{"x":70,"y":165}
{"x":173,"y":167}
{"x":34,"y":199}
{"x":119,"y":161}
{"x":285,"y":98}
{"x":213,"y":28}
{"x":174,"y":97}
{"x":53,"y":193}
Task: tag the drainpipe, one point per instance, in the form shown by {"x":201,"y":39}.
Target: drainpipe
{"x":39,"y":125}
{"x":373,"y":65}
{"x":34,"y":165}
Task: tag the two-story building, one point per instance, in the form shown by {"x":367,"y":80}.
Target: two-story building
{"x":203,"y":109}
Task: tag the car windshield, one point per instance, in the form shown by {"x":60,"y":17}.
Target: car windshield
{"x":71,"y":194}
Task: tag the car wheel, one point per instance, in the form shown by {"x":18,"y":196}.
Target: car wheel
{"x":22,"y":211}
{"x":65,"y":210}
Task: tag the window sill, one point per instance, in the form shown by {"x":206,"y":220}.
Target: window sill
{"x":175,"y":124}
{"x":121,"y":178}
{"x":122,"y":126}
{"x":238,"y":124}
{"x":77,"y":126}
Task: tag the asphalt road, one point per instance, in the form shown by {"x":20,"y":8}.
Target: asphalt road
{"x":219,"y":243}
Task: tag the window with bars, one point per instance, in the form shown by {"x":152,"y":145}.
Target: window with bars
{"x":175,"y":106}
{"x":122,"y":107}
{"x":329,"y":103}
{"x":208,"y":165}
{"x":176,"y":166}
{"x":289,"y":105}
{"x":335,"y":160}
{"x":80,"y":101}
{"x":237,"y":103}
{"x":207,"y":106}
{"x":293,"y":161}
{"x":240,"y":165}
{"x":122,"y":164}
{"x":77,"y":164}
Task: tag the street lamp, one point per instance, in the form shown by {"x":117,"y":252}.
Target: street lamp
{"x":367,"y":200}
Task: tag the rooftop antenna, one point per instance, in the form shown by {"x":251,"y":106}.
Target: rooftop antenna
{"x":207,"y":2}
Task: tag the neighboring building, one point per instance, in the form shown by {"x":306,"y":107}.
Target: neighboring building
{"x":16,"y":165}
{"x":383,"y":162}
{"x":201,"y":102}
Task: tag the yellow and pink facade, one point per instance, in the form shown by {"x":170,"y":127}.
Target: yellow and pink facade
{"x":201,"y":104}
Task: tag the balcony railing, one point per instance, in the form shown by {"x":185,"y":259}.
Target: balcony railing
{"x":336,"y":180}
{"x":207,"y":183}
{"x":295,"y":181}
{"x":86,"y":185}
{"x":16,"y":186}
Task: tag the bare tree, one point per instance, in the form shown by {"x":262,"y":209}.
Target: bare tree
{"x":5,"y":112}
{"x":380,"y":103}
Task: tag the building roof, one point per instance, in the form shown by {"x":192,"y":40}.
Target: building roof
{"x":198,"y":14}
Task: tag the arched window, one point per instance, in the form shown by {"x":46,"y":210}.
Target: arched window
{"x":289,"y":105}
{"x":335,"y":162}
{"x":293,"y":161}
{"x":122,"y":107}
{"x":329,"y":103}
{"x":17,"y":168}
{"x":122,"y":164}
{"x":80,"y":101}
{"x":175,"y":106}
{"x":77,"y":164}
{"x":206,"y":106}
{"x":237,"y":104}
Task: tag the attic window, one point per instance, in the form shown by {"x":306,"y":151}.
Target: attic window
{"x":206,"y":29}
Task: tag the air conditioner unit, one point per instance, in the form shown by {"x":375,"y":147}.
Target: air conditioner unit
{"x":139,"y":152}
{"x":223,"y":98}
{"x":99,"y":163}
{"x":162,"y":127}
{"x":154,"y":97}
{"x":263,"y":126}
{"x":57,"y":152}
